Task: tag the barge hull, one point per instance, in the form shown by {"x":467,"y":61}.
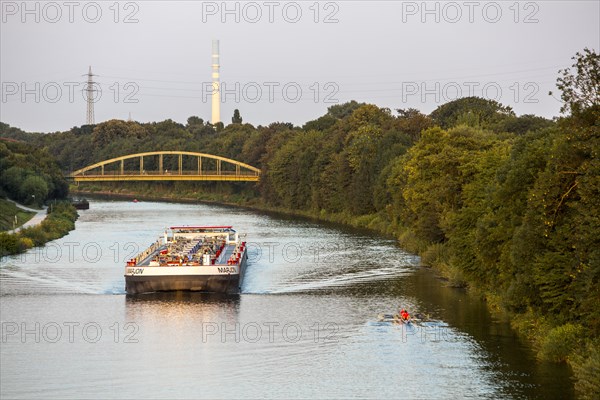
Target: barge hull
{"x":194,"y":283}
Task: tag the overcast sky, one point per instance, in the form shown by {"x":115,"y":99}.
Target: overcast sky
{"x":281,"y":60}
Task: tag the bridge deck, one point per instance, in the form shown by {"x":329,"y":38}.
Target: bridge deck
{"x":112,"y":178}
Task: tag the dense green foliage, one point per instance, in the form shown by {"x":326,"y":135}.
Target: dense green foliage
{"x":508,"y":205}
{"x":580,"y":89}
{"x":29,"y":174}
{"x":60,"y":220}
{"x":586,"y":367}
{"x":470,"y":111}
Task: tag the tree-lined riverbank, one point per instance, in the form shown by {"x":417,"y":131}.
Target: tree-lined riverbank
{"x":31,"y":175}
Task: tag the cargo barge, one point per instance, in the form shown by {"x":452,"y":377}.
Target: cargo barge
{"x":190,"y":258}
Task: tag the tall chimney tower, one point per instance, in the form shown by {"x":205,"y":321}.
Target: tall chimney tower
{"x":216,"y":84}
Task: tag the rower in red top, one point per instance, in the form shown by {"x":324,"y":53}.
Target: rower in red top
{"x":404,"y":315}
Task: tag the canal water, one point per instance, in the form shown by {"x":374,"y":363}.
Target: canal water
{"x":305,"y":325}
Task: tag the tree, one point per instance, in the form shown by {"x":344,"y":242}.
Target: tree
{"x":197,"y":127}
{"x":363,"y":149}
{"x":320,"y":124}
{"x":432,"y":176}
{"x":412,"y":122}
{"x":236,"y":119}
{"x":11,"y":181}
{"x":580,"y":88}
{"x":472,"y":111}
{"x":109,"y":131}
{"x":369,"y":114}
{"x":34,"y":190}
{"x":293,"y":170}
{"x":523,"y":124}
{"x":340,"y":111}
{"x":194,"y":121}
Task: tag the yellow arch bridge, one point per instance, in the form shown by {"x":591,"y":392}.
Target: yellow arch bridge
{"x":167,"y":166}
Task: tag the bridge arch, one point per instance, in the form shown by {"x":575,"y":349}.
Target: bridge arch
{"x":96,"y":172}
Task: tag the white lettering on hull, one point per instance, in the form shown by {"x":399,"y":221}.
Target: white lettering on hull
{"x":134,"y":271}
{"x":170,"y":271}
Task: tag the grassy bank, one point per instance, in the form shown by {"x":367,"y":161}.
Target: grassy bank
{"x":60,"y":221}
{"x":8,"y":212}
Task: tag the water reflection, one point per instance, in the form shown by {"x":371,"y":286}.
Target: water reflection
{"x":172,"y":298}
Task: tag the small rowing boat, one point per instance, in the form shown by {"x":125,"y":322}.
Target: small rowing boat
{"x":394,"y":318}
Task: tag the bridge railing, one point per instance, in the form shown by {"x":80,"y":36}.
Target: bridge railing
{"x":168,"y":172}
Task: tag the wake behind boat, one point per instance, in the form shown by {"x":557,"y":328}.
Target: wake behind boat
{"x":192,"y":258}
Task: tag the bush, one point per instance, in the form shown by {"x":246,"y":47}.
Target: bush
{"x":409,"y":241}
{"x":560,"y":342}
{"x":36,"y":234}
{"x":586,"y":371}
{"x":25,"y":244}
{"x":533,"y":326}
{"x":435,"y":254}
{"x":9,"y":244}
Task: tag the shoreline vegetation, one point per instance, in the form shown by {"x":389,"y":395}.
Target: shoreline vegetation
{"x":31,"y":176}
{"x":59,"y":222}
{"x":507,"y":206}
